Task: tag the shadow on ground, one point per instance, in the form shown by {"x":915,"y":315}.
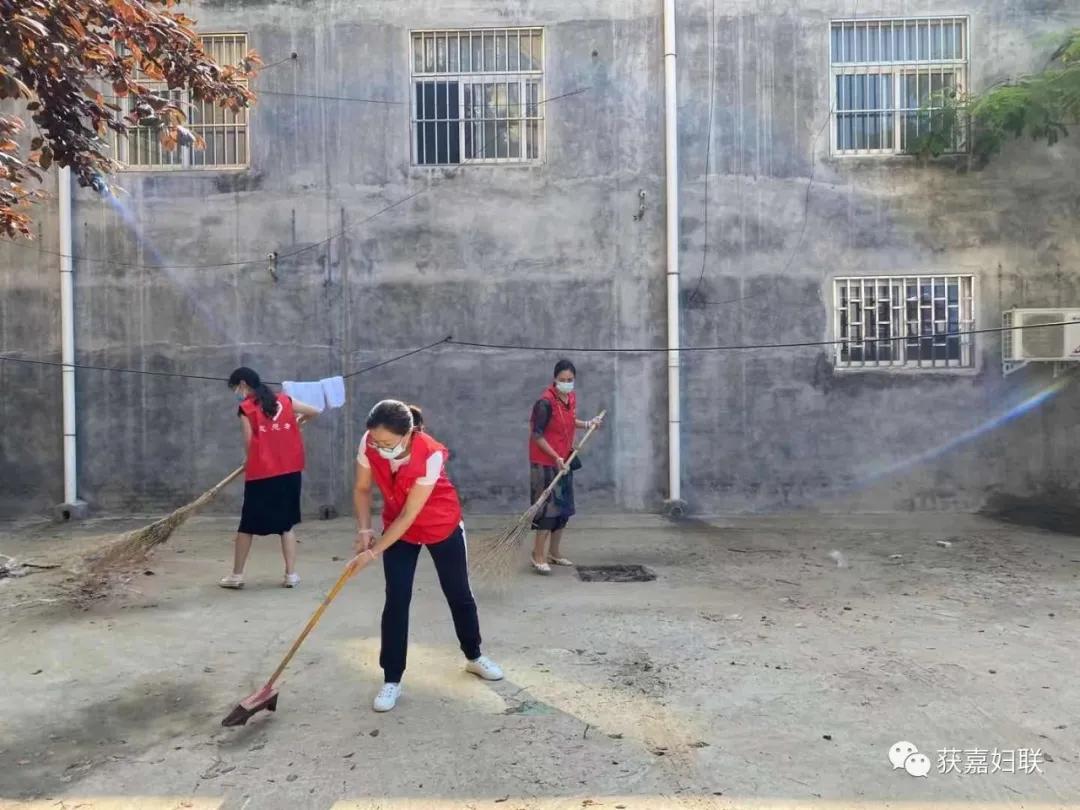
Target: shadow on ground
{"x":65,"y":747}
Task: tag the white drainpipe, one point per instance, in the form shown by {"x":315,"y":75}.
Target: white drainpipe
{"x":67,"y":347}
{"x":671,"y":135}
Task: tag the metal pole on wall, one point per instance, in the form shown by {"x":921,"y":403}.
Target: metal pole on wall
{"x":671,"y":148}
{"x":71,"y":506}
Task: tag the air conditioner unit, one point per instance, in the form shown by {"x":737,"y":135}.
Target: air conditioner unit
{"x":1039,"y":336}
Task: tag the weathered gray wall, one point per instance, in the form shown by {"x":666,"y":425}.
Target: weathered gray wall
{"x":31,"y":446}
{"x":783,"y":428}
{"x":31,"y":475}
{"x":546,"y":255}
{"x":552,"y":256}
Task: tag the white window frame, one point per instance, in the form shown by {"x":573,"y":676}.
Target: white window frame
{"x":213,"y":119}
{"x":529,"y":84}
{"x":907,"y":340}
{"x":896,"y":115}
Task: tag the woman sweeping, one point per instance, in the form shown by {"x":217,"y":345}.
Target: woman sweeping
{"x":554,"y":425}
{"x":275,"y":461}
{"x":420,"y":508}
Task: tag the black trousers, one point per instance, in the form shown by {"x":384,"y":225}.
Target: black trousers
{"x":399,"y":567}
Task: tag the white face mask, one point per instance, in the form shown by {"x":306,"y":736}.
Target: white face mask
{"x":565,"y":387}
{"x":393,"y":452}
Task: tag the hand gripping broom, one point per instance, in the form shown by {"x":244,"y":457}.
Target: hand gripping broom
{"x":495,"y":560}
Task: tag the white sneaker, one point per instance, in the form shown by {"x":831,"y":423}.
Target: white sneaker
{"x":232,"y":581}
{"x":485,"y":668}
{"x":291,"y":580}
{"x":387,"y":697}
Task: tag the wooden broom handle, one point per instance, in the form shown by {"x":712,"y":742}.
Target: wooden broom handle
{"x":346,"y":575}
{"x":228,"y":479}
{"x":573,"y":455}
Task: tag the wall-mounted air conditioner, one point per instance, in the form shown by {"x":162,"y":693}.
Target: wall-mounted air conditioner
{"x":1039,"y":336}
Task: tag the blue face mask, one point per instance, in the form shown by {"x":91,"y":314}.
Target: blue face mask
{"x":565,"y":387}
{"x":239,"y":397}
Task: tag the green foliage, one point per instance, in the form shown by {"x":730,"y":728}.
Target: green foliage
{"x":1042,"y":106}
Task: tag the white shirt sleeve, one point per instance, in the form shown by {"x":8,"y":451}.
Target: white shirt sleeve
{"x":434,"y":470}
{"x":361,"y":456}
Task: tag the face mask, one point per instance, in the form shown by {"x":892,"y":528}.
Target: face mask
{"x":393,"y":452}
{"x":240,"y":397}
{"x":565,"y":387}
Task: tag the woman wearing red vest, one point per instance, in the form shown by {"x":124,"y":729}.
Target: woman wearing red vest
{"x":275,"y":460}
{"x":554,"y":425}
{"x":420,"y":508}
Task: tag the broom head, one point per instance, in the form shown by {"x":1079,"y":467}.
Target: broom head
{"x":131,"y":549}
{"x":497,"y":558}
{"x":265,"y":698}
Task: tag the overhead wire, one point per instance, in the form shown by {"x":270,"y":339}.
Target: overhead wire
{"x":203,"y":377}
{"x":752,"y":346}
{"x":451,"y":341}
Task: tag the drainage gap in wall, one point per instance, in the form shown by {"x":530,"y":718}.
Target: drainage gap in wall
{"x":614,"y":573}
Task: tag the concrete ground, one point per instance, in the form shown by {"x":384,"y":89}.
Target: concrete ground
{"x":771,"y":664}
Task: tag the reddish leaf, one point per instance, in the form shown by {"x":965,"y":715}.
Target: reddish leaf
{"x":57,"y":55}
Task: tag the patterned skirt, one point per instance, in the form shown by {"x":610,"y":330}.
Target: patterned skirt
{"x":559,"y":508}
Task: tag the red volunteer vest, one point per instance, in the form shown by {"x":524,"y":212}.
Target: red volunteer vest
{"x":276,"y":445}
{"x":441,"y":514}
{"x":560,"y":430}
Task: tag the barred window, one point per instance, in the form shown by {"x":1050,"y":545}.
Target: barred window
{"x":905,"y":321}
{"x":890,"y":79}
{"x":225,"y":132}
{"x":477,"y":96}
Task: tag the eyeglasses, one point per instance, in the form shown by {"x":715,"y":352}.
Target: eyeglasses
{"x":377,"y":446}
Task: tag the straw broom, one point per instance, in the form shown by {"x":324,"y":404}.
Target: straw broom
{"x":91,"y":575}
{"x":496,"y":559}
{"x":130,"y":549}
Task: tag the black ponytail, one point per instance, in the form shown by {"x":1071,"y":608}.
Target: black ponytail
{"x":266,"y":398}
{"x":417,"y":418}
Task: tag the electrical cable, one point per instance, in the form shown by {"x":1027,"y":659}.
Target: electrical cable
{"x":360,"y":100}
{"x":449,"y":340}
{"x":708,"y":148}
{"x":750,"y":346}
{"x":205,"y":377}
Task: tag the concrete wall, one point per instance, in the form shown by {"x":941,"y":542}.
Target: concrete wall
{"x":551,"y":255}
{"x":31,"y":443}
{"x":784,"y":218}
